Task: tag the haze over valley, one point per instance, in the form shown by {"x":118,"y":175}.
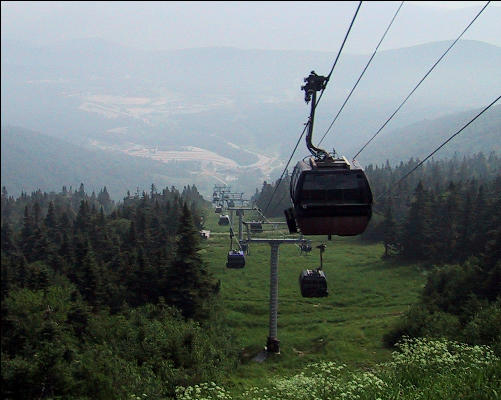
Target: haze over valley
{"x":232,"y":115}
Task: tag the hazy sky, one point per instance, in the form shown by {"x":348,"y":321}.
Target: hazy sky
{"x":262,"y":25}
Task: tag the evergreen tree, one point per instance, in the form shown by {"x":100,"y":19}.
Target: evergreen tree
{"x":40,"y":245}
{"x":37,"y":213}
{"x":88,"y":277}
{"x":389,"y":231}
{"x":464,"y":242}
{"x":27,"y":234}
{"x":7,"y":243}
{"x":190,"y":286}
{"x":416,"y":232}
{"x":50,"y":223}
{"x":83,"y":220}
{"x":444,"y":227}
{"x":480,"y":220}
{"x":7,"y":271}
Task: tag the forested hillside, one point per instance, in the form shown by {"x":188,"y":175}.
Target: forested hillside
{"x":31,"y":160}
{"x":104,"y":96}
{"x":446,"y":215}
{"x":105,"y":300}
{"x":417,"y":139}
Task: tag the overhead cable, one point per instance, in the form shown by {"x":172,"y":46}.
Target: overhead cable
{"x":339,"y":52}
{"x":422,"y":80}
{"x":363,"y":72}
{"x":285,"y":169}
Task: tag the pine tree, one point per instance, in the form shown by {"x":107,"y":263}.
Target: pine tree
{"x":40,"y":245}
{"x":7,"y":243}
{"x":83,"y":220}
{"x":444,"y":226}
{"x":416,"y":231}
{"x":7,"y":272}
{"x":480,"y":221}
{"x":27,"y":234}
{"x":6,"y":206}
{"x":389,"y":230}
{"x":50,"y":222}
{"x":143,"y":288}
{"x":105,"y":201}
{"x":190,"y":286}
{"x":464,"y":242}
{"x":88,"y":277}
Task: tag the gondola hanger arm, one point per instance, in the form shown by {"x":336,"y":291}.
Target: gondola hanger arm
{"x":322,"y":249}
{"x":314,"y":83}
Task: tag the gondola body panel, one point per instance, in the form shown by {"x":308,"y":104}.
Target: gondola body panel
{"x":331,"y":225}
{"x":330,"y":200}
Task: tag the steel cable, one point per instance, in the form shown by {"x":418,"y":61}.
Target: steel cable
{"x":362,"y":74}
{"x":422,"y":80}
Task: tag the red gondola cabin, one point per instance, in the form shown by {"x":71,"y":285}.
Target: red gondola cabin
{"x":330,"y":197}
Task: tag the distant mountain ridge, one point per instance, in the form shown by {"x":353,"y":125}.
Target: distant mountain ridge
{"x":421,"y":138}
{"x":238,"y":104}
{"x":40,"y":82}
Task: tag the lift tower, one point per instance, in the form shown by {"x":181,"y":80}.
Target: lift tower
{"x":272,"y":343}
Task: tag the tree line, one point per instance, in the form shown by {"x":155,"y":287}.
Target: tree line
{"x":105,"y":300}
{"x":446,"y":217}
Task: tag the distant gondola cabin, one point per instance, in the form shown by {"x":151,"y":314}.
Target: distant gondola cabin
{"x":236,"y":259}
{"x":256,"y":227}
{"x":224,"y":220}
{"x":313,"y":283}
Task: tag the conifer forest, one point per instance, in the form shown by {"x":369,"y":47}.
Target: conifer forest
{"x":105,"y":299}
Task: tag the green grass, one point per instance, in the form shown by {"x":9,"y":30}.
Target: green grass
{"x":366,"y":295}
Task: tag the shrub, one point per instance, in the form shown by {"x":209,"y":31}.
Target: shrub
{"x":419,"y":321}
{"x":485,"y":327}
{"x":420,"y":369}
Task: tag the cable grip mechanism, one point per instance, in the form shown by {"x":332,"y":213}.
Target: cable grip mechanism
{"x":314,"y":83}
